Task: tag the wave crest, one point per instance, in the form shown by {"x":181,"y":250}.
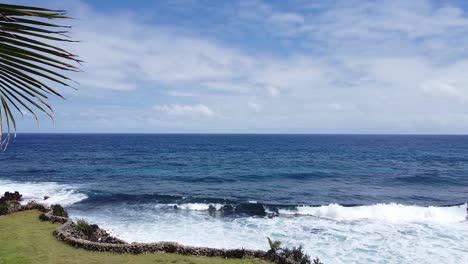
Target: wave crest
{"x":63,"y":194}
{"x":392,"y":212}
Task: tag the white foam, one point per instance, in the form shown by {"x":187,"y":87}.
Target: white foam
{"x":63,"y":194}
{"x":198,"y":206}
{"x":385,"y":212}
{"x":354,"y":241}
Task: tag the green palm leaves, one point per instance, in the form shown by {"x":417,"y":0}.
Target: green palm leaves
{"x":29,"y":64}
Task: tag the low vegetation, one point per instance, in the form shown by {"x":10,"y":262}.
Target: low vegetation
{"x":4,"y":209}
{"x":82,"y":225}
{"x":58,"y":210}
{"x":274,"y":245}
{"x":86,"y":229}
{"x":295,"y":255}
{"x":25,"y":239}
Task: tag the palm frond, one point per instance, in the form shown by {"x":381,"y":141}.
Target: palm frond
{"x":28,"y":60}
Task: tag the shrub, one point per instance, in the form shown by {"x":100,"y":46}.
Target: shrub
{"x":3,"y":209}
{"x":58,"y":210}
{"x":235,"y":253}
{"x":82,"y":225}
{"x":274,"y":245}
{"x":317,"y":261}
{"x":85,"y":228}
{"x":285,"y":255}
{"x":34,"y":205}
{"x":170,"y":247}
{"x":297,"y":255}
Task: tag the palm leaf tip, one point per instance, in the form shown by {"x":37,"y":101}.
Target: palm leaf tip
{"x":31,"y":63}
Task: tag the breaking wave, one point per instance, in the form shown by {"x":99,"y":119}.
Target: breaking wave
{"x":391,"y":212}
{"x":63,"y":194}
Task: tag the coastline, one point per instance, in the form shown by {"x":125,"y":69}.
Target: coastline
{"x":65,"y":234}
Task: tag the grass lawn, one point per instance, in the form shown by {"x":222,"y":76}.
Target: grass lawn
{"x":25,"y":239}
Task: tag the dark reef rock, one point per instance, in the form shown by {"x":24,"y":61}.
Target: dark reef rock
{"x":274,"y":211}
{"x":212,"y":210}
{"x":36,"y":206}
{"x":9,"y":203}
{"x":227,"y":210}
{"x":8,"y":196}
{"x":251,"y":209}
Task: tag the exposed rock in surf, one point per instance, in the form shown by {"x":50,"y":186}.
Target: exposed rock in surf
{"x":274,"y":211}
{"x":227,"y":209}
{"x":250,"y":209}
{"x":212,"y":210}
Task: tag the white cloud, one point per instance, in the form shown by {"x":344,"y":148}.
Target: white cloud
{"x":440,"y":89}
{"x":254,"y":106}
{"x":289,"y":18}
{"x":273,"y":91}
{"x":181,"y":94}
{"x":185,"y":110}
{"x":344,"y":66}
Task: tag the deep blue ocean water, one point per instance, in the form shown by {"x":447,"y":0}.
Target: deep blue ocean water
{"x":109,"y":178}
{"x":275,"y":169}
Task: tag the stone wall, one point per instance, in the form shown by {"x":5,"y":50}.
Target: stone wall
{"x":67,"y":233}
{"x":63,"y":233}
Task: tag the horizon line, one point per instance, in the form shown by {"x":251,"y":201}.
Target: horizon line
{"x":240,"y":133}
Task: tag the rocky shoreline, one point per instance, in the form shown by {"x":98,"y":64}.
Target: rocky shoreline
{"x":70,"y":233}
{"x":67,"y":233}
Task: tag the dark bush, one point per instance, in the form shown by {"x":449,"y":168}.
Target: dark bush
{"x":37,"y":206}
{"x":3,"y":209}
{"x":9,"y":202}
{"x":289,"y":256}
{"x":82,"y":225}
{"x":235,"y":253}
{"x":296,"y":255}
{"x":86,"y":229}
{"x":170,"y":247}
{"x":58,"y":210}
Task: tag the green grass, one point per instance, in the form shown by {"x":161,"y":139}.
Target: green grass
{"x":25,"y":239}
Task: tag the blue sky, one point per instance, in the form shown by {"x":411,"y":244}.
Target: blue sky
{"x":265,"y":67}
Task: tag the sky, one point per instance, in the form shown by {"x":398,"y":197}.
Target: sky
{"x":193,"y":66}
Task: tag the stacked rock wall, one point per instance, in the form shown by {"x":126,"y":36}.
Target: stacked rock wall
{"x":63,"y":233}
{"x":66,"y":233}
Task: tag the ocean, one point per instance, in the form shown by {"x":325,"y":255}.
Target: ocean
{"x":344,"y":198}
